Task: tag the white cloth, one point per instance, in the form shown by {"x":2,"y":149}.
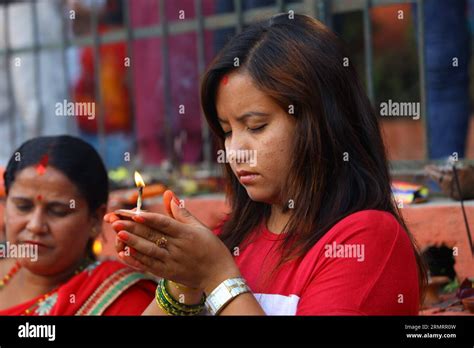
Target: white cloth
{"x":52,"y":86}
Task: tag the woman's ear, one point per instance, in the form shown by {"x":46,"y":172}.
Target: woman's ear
{"x":97,"y":220}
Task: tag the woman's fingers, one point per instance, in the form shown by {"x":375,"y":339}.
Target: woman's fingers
{"x":143,"y":246}
{"x":160,"y":222}
{"x":138,"y":229}
{"x":154,"y":266}
{"x":111,"y":217}
{"x":167,"y":198}
{"x":144,"y":263}
{"x":126,"y":257}
{"x":119,"y":245}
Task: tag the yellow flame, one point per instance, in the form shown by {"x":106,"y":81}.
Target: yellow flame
{"x":139,"y":180}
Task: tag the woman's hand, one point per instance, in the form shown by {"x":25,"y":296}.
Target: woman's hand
{"x":190,"y":254}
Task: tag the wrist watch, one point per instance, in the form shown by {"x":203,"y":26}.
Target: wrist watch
{"x":224,"y":293}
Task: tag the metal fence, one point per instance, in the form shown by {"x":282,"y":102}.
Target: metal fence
{"x":321,"y":9}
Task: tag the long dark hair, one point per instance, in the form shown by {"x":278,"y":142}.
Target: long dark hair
{"x":298,"y":62}
{"x":73,"y":157}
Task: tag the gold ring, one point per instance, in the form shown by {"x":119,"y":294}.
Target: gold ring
{"x":162,"y":242}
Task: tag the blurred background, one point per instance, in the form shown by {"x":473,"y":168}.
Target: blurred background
{"x":124,"y":75}
{"x":138,"y":64}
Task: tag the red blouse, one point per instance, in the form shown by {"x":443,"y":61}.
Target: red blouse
{"x":102,"y":288}
{"x":364,"y":265}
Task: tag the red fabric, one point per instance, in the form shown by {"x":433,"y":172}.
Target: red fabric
{"x":73,"y":294}
{"x":134,"y":301}
{"x":183,"y":87}
{"x":113,"y":86}
{"x":385,"y":282}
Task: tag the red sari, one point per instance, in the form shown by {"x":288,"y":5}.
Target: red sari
{"x":102,"y":288}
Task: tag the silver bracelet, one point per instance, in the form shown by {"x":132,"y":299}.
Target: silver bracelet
{"x":224,"y":293}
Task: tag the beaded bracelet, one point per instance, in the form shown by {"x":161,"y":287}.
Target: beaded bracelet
{"x":168,"y":304}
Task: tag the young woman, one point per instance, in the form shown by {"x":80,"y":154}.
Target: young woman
{"x":313,"y":229}
{"x":57,"y":190}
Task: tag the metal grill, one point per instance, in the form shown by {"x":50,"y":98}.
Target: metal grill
{"x":321,"y":9}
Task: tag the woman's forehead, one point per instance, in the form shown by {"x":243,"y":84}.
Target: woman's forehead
{"x":234,"y":85}
{"x":50,"y":183}
{"x":240,"y":95}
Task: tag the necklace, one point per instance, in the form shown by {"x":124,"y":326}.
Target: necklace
{"x":43,"y":298}
{"x":16,"y":267}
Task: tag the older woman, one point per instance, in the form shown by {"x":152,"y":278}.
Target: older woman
{"x":57,"y":192}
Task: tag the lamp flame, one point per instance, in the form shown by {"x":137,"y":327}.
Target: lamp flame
{"x":139,"y":180}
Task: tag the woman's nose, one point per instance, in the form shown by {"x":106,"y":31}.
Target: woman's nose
{"x":37,"y":223}
{"x":237,"y":145}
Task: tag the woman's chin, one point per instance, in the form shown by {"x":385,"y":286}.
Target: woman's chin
{"x":39,"y":264}
{"x":257,"y":195}
{"x":36,"y":267}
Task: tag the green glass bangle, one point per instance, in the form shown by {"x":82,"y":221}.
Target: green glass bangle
{"x":184,"y":307}
{"x":165,"y":306}
{"x":162,"y":305}
{"x":167,"y":303}
{"x":165,"y":298}
{"x":171,"y":310}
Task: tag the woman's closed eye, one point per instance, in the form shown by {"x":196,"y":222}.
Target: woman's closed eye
{"x":24,"y":207}
{"x":257,"y":129}
{"x":253,"y":130}
{"x":59,"y":210}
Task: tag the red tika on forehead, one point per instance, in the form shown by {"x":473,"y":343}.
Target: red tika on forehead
{"x":225,"y":80}
{"x":41,"y":166}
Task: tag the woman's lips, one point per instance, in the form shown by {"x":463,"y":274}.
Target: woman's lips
{"x":247,"y":178}
{"x":31,"y":242}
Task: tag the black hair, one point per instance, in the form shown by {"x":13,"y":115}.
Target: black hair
{"x":73,"y":157}
{"x":298,"y":62}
